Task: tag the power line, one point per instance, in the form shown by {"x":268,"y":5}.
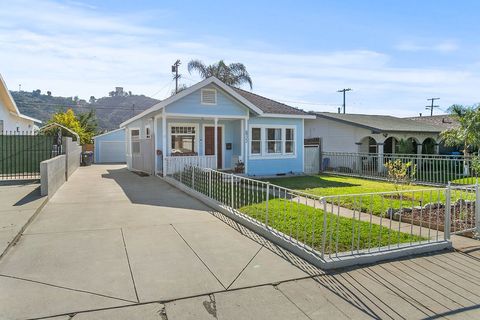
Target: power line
{"x":167,"y":85}
{"x":431,"y":107}
{"x":344,"y":91}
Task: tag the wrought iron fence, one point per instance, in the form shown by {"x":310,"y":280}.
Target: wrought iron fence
{"x":339,"y":230}
{"x":22,"y":152}
{"x":429,"y":169}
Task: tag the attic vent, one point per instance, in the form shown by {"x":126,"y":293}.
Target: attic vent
{"x":209,"y":96}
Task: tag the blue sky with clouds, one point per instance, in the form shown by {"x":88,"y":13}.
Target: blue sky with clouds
{"x":394,"y":54}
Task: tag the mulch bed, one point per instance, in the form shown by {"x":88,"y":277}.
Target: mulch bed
{"x":463,"y":216}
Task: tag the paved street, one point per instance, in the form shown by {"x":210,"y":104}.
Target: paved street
{"x":114,"y":245}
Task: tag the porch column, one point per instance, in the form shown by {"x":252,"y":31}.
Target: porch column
{"x":164,"y":142}
{"x":380,"y":165}
{"x":359,"y":157}
{"x":436,"y":148}
{"x":242,"y":140}
{"x":245,"y":133}
{"x":215,"y":140}
{"x":419,"y":155}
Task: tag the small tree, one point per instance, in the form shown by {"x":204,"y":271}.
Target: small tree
{"x":400,"y":173}
{"x":84,"y":125}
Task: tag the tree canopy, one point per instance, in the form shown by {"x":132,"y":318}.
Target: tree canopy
{"x":467,"y":134}
{"x":233,"y":74}
{"x":84,"y":124}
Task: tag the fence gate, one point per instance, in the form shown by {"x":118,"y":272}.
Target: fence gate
{"x":312,"y":159}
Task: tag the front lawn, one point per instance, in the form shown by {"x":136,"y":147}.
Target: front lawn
{"x":305,"y":224}
{"x":342,"y":186}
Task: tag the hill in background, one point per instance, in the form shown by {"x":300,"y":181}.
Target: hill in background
{"x":110,"y":111}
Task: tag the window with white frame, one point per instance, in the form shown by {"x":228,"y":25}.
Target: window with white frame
{"x":274,"y":140}
{"x":209,"y":96}
{"x":183,"y":139}
{"x":289,"y":141}
{"x":256,"y":141}
{"x":135,"y":140}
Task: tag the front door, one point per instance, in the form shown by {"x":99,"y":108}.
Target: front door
{"x":210,"y":144}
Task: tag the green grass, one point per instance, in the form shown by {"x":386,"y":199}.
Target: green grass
{"x":330,"y":185}
{"x":466,"y":180}
{"x":300,"y":221}
{"x":305,"y":224}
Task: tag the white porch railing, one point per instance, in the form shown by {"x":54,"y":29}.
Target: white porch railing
{"x":175,"y":164}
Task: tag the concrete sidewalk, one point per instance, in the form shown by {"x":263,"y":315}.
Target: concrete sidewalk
{"x":19,"y":202}
{"x":113,"y":245}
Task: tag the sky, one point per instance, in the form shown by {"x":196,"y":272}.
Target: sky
{"x":393,"y":54}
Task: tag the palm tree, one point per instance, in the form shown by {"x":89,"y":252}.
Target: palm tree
{"x":234,"y":74}
{"x":467,"y":134}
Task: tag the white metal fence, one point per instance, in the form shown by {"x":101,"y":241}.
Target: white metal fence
{"x":430,"y":169}
{"x":342,"y":230}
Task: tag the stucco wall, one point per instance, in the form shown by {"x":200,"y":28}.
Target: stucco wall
{"x":340,"y":137}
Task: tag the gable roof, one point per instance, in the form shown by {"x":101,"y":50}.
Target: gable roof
{"x":270,"y":106}
{"x":8,"y":101}
{"x":107,"y":133}
{"x":445,"y":121}
{"x":380,"y":123}
{"x":250,"y":100}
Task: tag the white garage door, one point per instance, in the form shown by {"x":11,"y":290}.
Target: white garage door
{"x":112,"y":151}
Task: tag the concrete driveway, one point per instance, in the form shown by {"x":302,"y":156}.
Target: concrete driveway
{"x":113,"y":245}
{"x":110,"y":238}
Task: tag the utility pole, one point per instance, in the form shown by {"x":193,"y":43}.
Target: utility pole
{"x":344,"y":90}
{"x":432,"y":106}
{"x":176,"y":76}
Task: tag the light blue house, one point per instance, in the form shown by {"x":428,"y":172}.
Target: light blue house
{"x":213,"y":125}
{"x":109,"y":147}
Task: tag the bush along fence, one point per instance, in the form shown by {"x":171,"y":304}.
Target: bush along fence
{"x":429,"y":169}
{"x":337,"y":231}
{"x":22,"y":152}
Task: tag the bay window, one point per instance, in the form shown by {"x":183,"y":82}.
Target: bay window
{"x":289,"y":141}
{"x":256,"y":141}
{"x":272,"y":141}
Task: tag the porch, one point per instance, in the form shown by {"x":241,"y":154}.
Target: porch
{"x":207,"y":142}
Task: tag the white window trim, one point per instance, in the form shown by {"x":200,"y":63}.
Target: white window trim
{"x":182,"y":124}
{"x":130,"y":139}
{"x":263,"y":142}
{"x":211,"y":90}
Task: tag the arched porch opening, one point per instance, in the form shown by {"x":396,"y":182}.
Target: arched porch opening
{"x":429,"y":146}
{"x":390,"y":145}
{"x":368,"y":145}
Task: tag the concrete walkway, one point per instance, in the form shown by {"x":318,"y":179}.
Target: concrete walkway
{"x":19,"y":202}
{"x":114,"y":245}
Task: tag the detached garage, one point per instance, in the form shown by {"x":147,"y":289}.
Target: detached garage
{"x":110,"y":147}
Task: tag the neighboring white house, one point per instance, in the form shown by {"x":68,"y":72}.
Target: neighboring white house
{"x":362,"y":133}
{"x":109,"y":147}
{"x":10,"y":117}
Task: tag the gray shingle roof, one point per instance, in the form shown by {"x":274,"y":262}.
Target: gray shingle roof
{"x":269,"y":105}
{"x":445,"y":121}
{"x":381,"y":123}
